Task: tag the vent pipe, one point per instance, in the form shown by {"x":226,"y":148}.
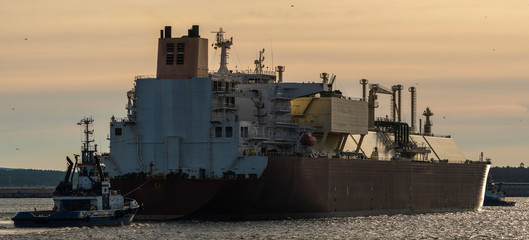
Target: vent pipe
{"x":396,"y":103}
{"x":413,"y":107}
{"x":400,"y":102}
{"x":364,"y":83}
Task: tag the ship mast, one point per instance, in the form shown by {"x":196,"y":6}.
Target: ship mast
{"x":259,"y":63}
{"x":428,"y":125}
{"x":87,"y":151}
{"x":223,"y":44}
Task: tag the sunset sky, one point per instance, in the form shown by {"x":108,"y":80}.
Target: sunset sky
{"x":63,"y":60}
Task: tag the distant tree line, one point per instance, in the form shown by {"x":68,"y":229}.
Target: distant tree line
{"x":50,"y":178}
{"x":510,"y":174}
{"x":30,"y":178}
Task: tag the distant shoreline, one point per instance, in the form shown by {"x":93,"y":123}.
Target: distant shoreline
{"x":26,"y":192}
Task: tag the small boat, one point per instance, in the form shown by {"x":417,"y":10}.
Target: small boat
{"x":494,"y":196}
{"x":90,"y":203}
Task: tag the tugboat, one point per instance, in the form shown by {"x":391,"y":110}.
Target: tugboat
{"x":91,"y":203}
{"x":494,"y":196}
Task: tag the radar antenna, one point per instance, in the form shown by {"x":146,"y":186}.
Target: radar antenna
{"x":428,"y":125}
{"x":280,"y":70}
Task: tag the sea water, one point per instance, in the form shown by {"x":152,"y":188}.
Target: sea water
{"x":488,"y":223}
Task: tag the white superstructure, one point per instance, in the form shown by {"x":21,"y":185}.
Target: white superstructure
{"x":196,"y":124}
{"x":204,"y":125}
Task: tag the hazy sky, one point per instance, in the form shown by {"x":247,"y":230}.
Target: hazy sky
{"x":63,"y":60}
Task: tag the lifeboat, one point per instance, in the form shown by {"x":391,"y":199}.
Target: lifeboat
{"x":308,"y":140}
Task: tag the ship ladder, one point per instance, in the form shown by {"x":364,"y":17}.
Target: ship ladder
{"x":138,"y":146}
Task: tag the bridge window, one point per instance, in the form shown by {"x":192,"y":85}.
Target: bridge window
{"x":218,"y":132}
{"x":229,"y":132}
{"x":244,"y":132}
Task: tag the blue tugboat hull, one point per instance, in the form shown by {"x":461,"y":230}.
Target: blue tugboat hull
{"x":72,"y":219}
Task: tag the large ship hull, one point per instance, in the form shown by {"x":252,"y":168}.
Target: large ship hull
{"x":307,"y":187}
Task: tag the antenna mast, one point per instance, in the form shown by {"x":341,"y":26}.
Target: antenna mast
{"x":223,"y":44}
{"x":428,"y":125}
{"x":87,"y":150}
{"x":259,"y":63}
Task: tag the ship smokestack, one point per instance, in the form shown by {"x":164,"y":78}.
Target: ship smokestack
{"x":183,"y":57}
{"x":193,"y":32}
{"x":167,"y":31}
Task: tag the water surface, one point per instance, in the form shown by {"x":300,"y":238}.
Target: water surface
{"x":489,"y":223}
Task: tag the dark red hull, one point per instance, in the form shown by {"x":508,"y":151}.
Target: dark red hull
{"x":317,"y":187}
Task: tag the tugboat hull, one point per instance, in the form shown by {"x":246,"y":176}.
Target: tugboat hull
{"x":73,"y":219}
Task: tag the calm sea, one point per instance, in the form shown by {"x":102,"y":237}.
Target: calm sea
{"x":489,"y":223}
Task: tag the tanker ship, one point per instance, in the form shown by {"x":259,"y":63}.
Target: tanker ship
{"x":237,"y":143}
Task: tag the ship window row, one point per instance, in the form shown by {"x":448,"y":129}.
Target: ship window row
{"x":169,"y":54}
{"x":180,"y":53}
{"x":180,"y":47}
{"x":169,"y":58}
{"x":170,"y":47}
{"x":179,"y":58}
{"x":228,"y":132}
{"x":218,"y":86}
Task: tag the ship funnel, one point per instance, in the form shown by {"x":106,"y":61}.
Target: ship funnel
{"x":167,"y":31}
{"x":193,"y":32}
{"x":183,"y":57}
